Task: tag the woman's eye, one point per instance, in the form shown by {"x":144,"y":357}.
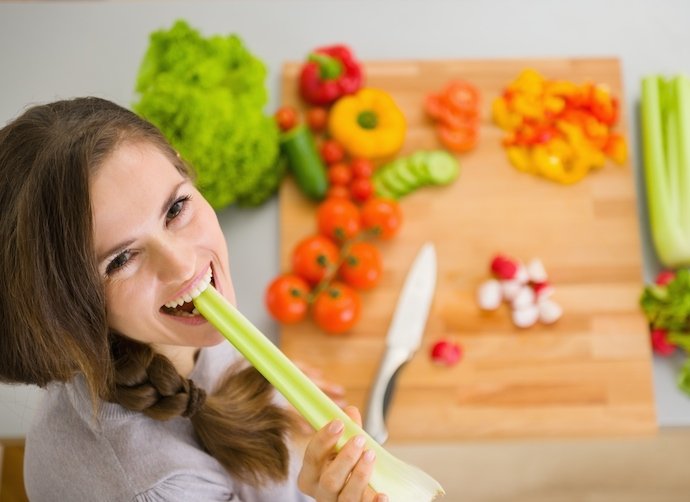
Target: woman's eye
{"x":177,"y":207}
{"x":118,"y":262}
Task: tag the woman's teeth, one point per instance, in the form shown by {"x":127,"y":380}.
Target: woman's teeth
{"x":187,"y":298}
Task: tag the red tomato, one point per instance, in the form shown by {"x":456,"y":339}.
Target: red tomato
{"x":286,"y":298}
{"x":461,"y":96}
{"x":361,"y":189}
{"x":317,"y":118}
{"x":382,"y":216}
{"x":338,"y":191}
{"x":338,"y":219}
{"x":361,"y":168}
{"x":336,"y":309}
{"x":286,"y":118}
{"x":332,"y":152}
{"x":362,"y":267}
{"x":339,"y":174}
{"x":457,"y":140}
{"x":313,"y":257}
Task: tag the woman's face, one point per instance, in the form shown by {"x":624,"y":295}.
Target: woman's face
{"x":155,"y":237}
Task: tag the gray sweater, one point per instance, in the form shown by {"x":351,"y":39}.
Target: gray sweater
{"x":121,"y":455}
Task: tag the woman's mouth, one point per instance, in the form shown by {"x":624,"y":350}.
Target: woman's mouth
{"x":183,"y":305}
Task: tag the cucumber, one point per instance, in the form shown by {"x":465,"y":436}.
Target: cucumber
{"x":304,"y":161}
{"x":422,"y":168}
{"x":443,"y":167}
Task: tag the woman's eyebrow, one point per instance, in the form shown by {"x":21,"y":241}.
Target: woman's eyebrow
{"x":164,"y":211}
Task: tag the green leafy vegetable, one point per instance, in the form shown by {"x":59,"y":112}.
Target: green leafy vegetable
{"x":667,"y":307}
{"x":400,"y":481}
{"x":666,"y":146}
{"x":207,"y":96}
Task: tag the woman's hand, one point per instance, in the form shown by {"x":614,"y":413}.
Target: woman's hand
{"x":343,"y":476}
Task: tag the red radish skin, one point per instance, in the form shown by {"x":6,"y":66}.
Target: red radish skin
{"x":504,"y":268}
{"x":446,"y":353}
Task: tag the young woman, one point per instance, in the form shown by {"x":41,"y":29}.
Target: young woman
{"x":103,"y":235}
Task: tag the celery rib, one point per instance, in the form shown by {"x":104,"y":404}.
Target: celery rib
{"x":400,"y":481}
{"x":665,"y":120}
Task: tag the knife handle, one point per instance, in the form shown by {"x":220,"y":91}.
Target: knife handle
{"x":375,"y":420}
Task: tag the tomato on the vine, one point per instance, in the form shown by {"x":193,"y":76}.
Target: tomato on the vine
{"x":382,"y":216}
{"x":287,"y":298}
{"x":362,"y":266}
{"x":286,"y":118}
{"x":361,"y":168}
{"x":313,"y":257}
{"x":317,"y":118}
{"x":332,"y":152}
{"x":336,"y":309}
{"x":361,"y":189}
{"x":338,"y":218}
{"x":338,"y":191}
{"x":339,"y":174}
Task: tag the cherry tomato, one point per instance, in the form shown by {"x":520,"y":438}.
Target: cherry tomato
{"x":361,"y":168}
{"x":339,"y":174}
{"x":332,"y":152}
{"x":286,"y":298}
{"x":336,"y":309}
{"x":338,"y":219}
{"x":286,"y":118}
{"x":362,"y":266}
{"x":382,"y":216}
{"x":338,"y":191}
{"x":361,"y":189}
{"x":317,"y":118}
{"x":313,"y":257}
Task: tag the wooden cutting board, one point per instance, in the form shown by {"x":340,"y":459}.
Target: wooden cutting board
{"x":587,"y":375}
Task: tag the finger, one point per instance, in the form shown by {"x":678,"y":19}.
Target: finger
{"x":356,"y":485}
{"x":337,"y":472}
{"x":354,"y":414}
{"x":318,"y":451}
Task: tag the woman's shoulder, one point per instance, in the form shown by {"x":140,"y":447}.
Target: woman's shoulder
{"x":72,"y":453}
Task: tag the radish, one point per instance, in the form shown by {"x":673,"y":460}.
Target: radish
{"x":549,"y":311}
{"x":504,"y":268}
{"x":536,"y":271}
{"x":490,"y":295}
{"x":446,"y":353}
{"x":525,"y":317}
{"x":524,"y":297}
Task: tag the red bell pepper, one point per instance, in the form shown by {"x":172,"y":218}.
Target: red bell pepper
{"x":329,"y":73}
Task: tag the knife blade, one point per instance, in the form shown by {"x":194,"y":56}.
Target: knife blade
{"x":404,"y":337}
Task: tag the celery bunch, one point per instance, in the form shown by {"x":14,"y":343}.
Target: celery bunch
{"x":400,"y":481}
{"x":665,"y":114}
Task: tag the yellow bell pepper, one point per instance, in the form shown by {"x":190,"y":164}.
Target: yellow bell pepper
{"x":368,"y":124}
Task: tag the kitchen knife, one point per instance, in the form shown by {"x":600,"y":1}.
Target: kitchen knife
{"x":403,"y":338}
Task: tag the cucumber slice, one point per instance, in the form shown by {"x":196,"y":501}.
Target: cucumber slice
{"x":391,"y":180}
{"x":418,"y":163}
{"x":443,"y":167}
{"x":382,"y":191}
{"x":406,"y":174}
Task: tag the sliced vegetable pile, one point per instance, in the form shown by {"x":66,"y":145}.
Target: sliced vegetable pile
{"x":423,"y":168}
{"x":666,"y":303}
{"x":207,"y":96}
{"x":558,"y":129}
{"x":455,"y":111}
{"x":525,"y":288}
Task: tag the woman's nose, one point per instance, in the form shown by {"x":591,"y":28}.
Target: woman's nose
{"x":174,"y":260}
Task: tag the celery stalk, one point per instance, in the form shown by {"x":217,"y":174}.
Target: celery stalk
{"x":665,"y":118}
{"x":400,"y":481}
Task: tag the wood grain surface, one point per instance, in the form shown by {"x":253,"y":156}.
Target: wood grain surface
{"x":587,"y":375}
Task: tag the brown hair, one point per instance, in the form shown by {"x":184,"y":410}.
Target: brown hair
{"x":53,"y":306}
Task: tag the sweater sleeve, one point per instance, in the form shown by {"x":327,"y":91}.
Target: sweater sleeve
{"x":185,"y":487}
